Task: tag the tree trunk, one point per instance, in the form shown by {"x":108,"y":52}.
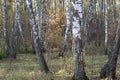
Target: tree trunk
{"x":79,"y":72}
{"x":15,"y":37}
{"x":18,"y":21}
{"x":67,"y":27}
{"x":109,"y":69}
{"x":17,"y":27}
{"x":37,"y":45}
{"x":100,"y":22}
{"x":106,"y":26}
{"x":6,"y":29}
{"x":40,"y":26}
{"x":90,"y":5}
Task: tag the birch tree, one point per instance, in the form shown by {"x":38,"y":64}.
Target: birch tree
{"x":90,"y":5}
{"x":17,"y":27}
{"x":39,"y":11}
{"x":14,"y":40}
{"x":114,"y":9}
{"x":109,"y":69}
{"x":106,"y":26}
{"x":40,"y":26}
{"x":67,"y":26}
{"x":99,"y":23}
{"x":79,"y":72}
{"x":6,"y":29}
{"x":35,"y":36}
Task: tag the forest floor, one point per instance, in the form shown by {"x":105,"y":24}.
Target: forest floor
{"x":25,"y":67}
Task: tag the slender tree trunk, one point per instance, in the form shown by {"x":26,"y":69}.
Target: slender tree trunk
{"x":55,"y":3}
{"x":6,"y":29}
{"x":40,"y":26}
{"x":100,"y":22}
{"x":61,"y":6}
{"x":67,"y":27}
{"x":18,"y":21}
{"x":106,"y":26}
{"x":14,"y":40}
{"x":15,"y":33}
{"x":17,"y":27}
{"x":40,"y":22}
{"x":109,"y":69}
{"x":79,"y":72}
{"x":113,"y":9}
{"x":37,"y":45}
{"x":90,"y":20}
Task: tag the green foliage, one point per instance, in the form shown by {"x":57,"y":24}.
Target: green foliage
{"x":2,"y":54}
{"x":21,"y":49}
{"x":30,"y":49}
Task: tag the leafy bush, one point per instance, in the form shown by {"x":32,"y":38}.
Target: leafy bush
{"x":55,"y":31}
{"x":2,"y":54}
{"x":21,"y":49}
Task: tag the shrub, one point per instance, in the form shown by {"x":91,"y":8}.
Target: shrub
{"x":21,"y":50}
{"x":2,"y":54}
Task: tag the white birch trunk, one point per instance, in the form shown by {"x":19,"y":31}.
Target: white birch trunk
{"x":35,"y":36}
{"x":17,"y":27}
{"x":18,"y":19}
{"x":106,"y":26}
{"x":79,"y":73}
{"x":40,"y":20}
{"x":67,"y":26}
{"x":40,"y":26}
{"x":6,"y":29}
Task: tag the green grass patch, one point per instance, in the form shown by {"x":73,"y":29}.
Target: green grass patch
{"x":26,"y":67}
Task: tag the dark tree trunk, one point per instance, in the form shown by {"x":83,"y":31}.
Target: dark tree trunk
{"x":79,"y":73}
{"x":14,"y":41}
{"x":17,"y":31}
{"x":109,"y":69}
{"x":40,"y":26}
{"x":6,"y":29}
{"x":90,"y":25}
{"x":35,"y":36}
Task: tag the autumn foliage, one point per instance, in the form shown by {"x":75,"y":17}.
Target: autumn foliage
{"x":56,"y":29}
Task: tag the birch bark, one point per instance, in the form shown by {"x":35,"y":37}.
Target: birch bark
{"x":15,"y":36}
{"x":67,"y":27}
{"x":35,"y":36}
{"x":6,"y":29}
{"x":79,"y":72}
{"x":17,"y":27}
{"x":106,"y":26}
{"x":40,"y":26}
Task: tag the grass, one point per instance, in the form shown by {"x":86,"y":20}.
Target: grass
{"x":25,"y":67}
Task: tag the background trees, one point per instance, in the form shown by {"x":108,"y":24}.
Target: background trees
{"x":47,"y":26}
{"x":109,"y":69}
